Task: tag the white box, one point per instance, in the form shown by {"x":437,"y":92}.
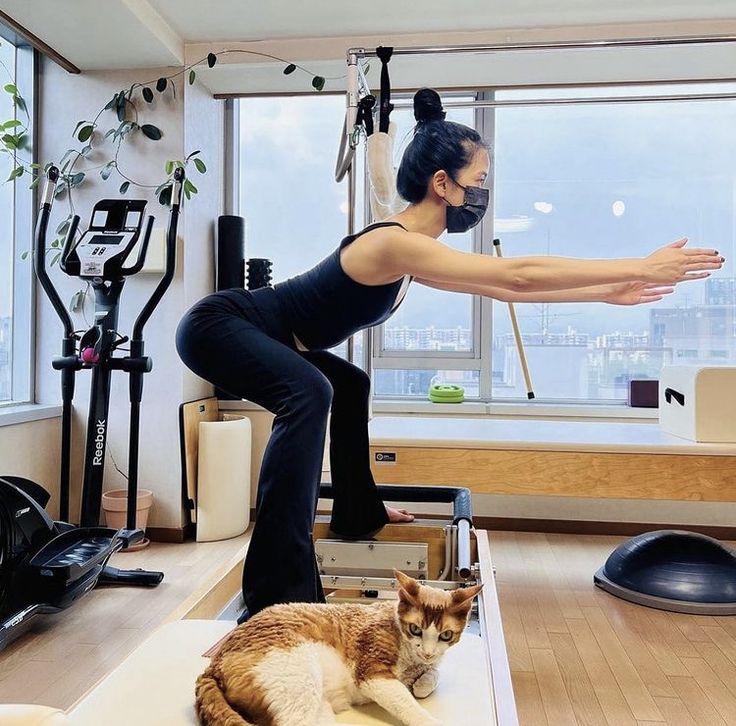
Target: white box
{"x":698,"y":402}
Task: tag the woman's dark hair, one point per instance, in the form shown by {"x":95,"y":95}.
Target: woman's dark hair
{"x":437,"y":144}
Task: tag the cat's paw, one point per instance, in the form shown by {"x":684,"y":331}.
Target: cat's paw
{"x":426,"y":683}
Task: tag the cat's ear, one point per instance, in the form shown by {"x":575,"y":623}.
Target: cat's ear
{"x":463,"y":596}
{"x":408,"y":587}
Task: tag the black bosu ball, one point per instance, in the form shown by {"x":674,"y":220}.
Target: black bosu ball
{"x":683,"y":572}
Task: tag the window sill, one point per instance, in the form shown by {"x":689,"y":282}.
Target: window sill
{"x":516,"y":411}
{"x":531,"y":410}
{"x":12,"y":414}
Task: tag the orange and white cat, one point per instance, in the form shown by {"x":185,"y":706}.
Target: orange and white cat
{"x":299,"y":664}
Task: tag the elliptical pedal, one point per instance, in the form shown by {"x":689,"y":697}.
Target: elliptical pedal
{"x":74,"y":553}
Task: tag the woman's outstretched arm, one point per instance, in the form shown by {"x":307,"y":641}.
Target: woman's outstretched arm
{"x":411,"y":253}
{"x":621,"y":293}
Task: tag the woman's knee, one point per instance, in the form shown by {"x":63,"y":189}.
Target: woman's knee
{"x":313,"y":394}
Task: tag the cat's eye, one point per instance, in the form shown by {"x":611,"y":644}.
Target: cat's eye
{"x":446,"y":635}
{"x":414,"y":629}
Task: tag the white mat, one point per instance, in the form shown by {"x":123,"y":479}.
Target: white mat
{"x":154,"y":686}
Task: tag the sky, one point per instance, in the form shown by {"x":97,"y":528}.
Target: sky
{"x":590,"y":181}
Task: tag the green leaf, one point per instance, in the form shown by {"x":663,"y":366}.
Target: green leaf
{"x":86,"y":151}
{"x":152,"y":132}
{"x":21,"y":104}
{"x":192,"y":76}
{"x":120,"y":106}
{"x":35,"y":183}
{"x":289,"y":69}
{"x":23,"y":141}
{"x":77,"y":179}
{"x":169,"y":167}
{"x":107,"y":170}
{"x":194,"y":153}
{"x":77,"y":302}
{"x":189,"y":188}
{"x":164,"y":196}
{"x":13,"y":123}
{"x":55,"y":259}
{"x":318,"y":82}
{"x":112,"y":103}
{"x":201,"y":168}
{"x":18,"y":171}
{"x":10,"y":141}
{"x":24,"y":255}
{"x":11,"y":89}
{"x":161,"y":84}
{"x":148,"y":94}
{"x":211,"y":59}
{"x":85,"y":133}
{"x":64,"y":226}
{"x":56,"y":244}
{"x":124,"y":187}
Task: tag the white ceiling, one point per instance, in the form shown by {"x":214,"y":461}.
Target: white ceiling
{"x":227,"y":20}
{"x":98,"y":34}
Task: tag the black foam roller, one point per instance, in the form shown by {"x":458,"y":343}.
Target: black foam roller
{"x":230,"y":251}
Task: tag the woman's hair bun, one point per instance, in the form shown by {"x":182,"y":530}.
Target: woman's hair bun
{"x":427,"y":106}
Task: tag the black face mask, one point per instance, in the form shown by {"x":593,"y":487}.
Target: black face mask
{"x":470,"y":212}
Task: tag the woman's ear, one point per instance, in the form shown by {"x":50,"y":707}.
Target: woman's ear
{"x":440,"y":183}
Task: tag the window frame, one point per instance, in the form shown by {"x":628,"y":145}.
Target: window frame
{"x":22,"y":360}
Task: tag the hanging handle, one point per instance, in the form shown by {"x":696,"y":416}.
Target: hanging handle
{"x":670,"y":393}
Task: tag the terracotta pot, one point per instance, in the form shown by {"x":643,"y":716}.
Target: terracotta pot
{"x":115,"y":506}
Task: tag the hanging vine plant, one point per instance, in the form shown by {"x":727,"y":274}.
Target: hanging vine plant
{"x":121,"y":120}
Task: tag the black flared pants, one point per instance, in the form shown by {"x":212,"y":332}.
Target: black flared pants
{"x":239,"y":341}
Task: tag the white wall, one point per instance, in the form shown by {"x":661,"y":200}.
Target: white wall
{"x":65,"y":99}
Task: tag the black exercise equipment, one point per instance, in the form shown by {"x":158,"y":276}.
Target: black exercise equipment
{"x":259,"y":272}
{"x":683,"y":572}
{"x":230,"y":252}
{"x":384,"y":110}
{"x":46,"y":566}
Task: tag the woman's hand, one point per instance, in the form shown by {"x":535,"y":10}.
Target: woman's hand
{"x":673,"y":263}
{"x":636,"y":293}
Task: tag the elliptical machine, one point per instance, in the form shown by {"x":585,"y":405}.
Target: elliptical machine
{"x":46,"y":566}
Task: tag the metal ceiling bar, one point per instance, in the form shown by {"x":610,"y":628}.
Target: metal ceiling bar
{"x":549,"y":45}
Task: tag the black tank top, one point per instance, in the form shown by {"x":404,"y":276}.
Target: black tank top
{"x":324,"y":306}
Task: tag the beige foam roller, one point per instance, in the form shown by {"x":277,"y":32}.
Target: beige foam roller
{"x":223,"y":479}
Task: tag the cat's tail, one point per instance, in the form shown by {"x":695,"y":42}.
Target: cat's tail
{"x":213,"y":708}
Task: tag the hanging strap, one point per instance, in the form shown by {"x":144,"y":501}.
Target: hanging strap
{"x":365,"y":113}
{"x":384,"y":54}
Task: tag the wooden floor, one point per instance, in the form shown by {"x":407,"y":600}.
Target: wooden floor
{"x":580,"y":656}
{"x":67,"y":653}
{"x":577,"y":654}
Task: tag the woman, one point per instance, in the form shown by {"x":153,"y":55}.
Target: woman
{"x":270,"y":345}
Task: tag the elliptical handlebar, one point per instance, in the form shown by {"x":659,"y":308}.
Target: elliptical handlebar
{"x":39,"y":253}
{"x":138,"y":265}
{"x":69,"y":241}
{"x":165,"y":281}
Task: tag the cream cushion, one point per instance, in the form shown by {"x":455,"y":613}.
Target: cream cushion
{"x":155,"y":684}
{"x":12,"y":714}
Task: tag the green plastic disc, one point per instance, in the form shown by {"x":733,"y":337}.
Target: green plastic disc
{"x":446,"y":393}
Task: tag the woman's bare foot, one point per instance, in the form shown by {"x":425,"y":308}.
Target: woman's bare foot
{"x":399,"y":515}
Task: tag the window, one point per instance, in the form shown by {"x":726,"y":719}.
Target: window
{"x":614,"y":180}
{"x":295,"y":213}
{"x":16,"y":209}
{"x":591,"y":178}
